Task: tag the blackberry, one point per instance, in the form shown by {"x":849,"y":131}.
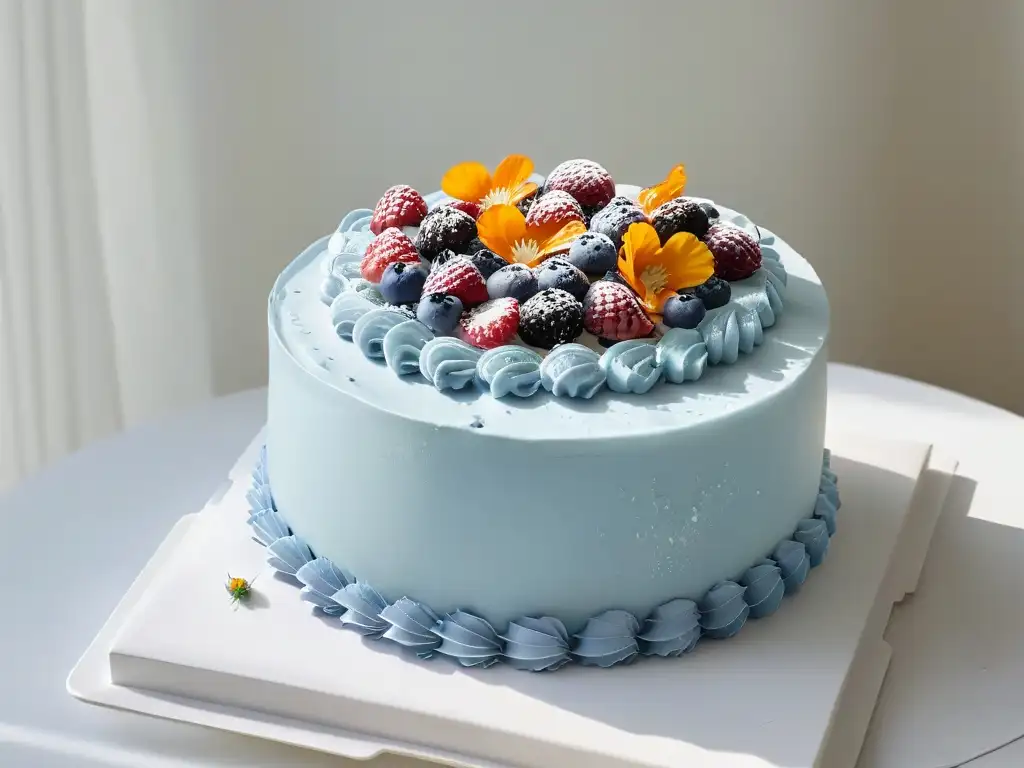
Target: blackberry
{"x":680,"y":215}
{"x":526,"y":203}
{"x":442,"y":258}
{"x":445,"y":228}
{"x":714,"y":293}
{"x":551,"y":317}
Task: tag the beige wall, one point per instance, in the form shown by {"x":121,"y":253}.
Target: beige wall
{"x":883,"y":139}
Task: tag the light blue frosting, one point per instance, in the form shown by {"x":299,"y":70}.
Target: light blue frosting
{"x":543,"y":644}
{"x":402,"y":345}
{"x":572,"y":370}
{"x":510,"y":370}
{"x":794,"y":564}
{"x":723,"y":610}
{"x":346,"y":309}
{"x":469,"y":640}
{"x":412,"y":626}
{"x":608,"y":639}
{"x":322,"y":579}
{"x":448,"y":363}
{"x":682,"y":354}
{"x":369,"y":331}
{"x":631,"y":366}
{"x":363,"y":606}
{"x":672,"y":630}
{"x":537,"y":645}
{"x":765,"y":589}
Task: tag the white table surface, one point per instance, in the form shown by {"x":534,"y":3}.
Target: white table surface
{"x":76,"y":535}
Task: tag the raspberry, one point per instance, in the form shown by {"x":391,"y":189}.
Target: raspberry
{"x":390,"y":246}
{"x":585,"y":180}
{"x":445,"y":228}
{"x":611,"y":311}
{"x":551,"y":317}
{"x":737,"y":254}
{"x":490,"y":325}
{"x":555,"y":207}
{"x":459,"y":278}
{"x":399,"y":206}
{"x":473,"y":209}
{"x":679,"y":215}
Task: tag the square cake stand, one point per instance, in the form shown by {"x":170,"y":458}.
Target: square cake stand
{"x":795,"y":689}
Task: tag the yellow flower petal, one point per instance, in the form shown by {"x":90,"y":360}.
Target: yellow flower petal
{"x":523,"y":192}
{"x":668,"y":189}
{"x":467,"y":181}
{"x":561,"y":239}
{"x":512,"y":172}
{"x":500,"y":227}
{"x":688,"y":261}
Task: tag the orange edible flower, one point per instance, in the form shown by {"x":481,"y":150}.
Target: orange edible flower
{"x":503,"y":229}
{"x":655,"y":271}
{"x":473,"y":183}
{"x":669,"y":189}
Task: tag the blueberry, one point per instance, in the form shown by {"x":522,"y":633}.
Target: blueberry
{"x":559,"y":273}
{"x":715,"y":293}
{"x":515,"y":281}
{"x":402,"y":283}
{"x":440,"y":312}
{"x":683,"y":311}
{"x":710,"y":210}
{"x":594,"y":253}
{"x":487,"y":261}
{"x":613,"y":221}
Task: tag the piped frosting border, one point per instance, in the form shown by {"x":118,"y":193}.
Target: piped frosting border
{"x":542,"y":643}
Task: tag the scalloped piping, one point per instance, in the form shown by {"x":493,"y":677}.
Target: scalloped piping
{"x":541,"y":643}
{"x":630,"y":367}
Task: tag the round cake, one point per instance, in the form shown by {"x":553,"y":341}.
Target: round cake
{"x":634,"y":434}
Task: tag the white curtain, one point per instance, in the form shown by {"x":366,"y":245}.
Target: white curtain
{"x":101,"y":302}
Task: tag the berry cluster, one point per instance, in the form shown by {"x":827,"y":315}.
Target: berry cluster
{"x":451,"y":282}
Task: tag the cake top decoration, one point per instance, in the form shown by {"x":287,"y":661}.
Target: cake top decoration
{"x":505,"y":230}
{"x":657,"y":271}
{"x":473,"y":183}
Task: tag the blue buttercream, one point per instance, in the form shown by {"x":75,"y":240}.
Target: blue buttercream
{"x":723,"y":610}
{"x":338,"y":278}
{"x":672,"y":629}
{"x":288,"y":554}
{"x":369,"y":291}
{"x":765,"y":588}
{"x":825,"y":510}
{"x":468,"y":639}
{"x":536,"y":645}
{"x":572,"y":370}
{"x":322,"y":579}
{"x":346,"y":309}
{"x":794,"y":564}
{"x":721,"y":332}
{"x":813,"y":534}
{"x":510,"y":370}
{"x":268,"y":526}
{"x":608,"y":639}
{"x":682,"y":354}
{"x":402,"y":346}
{"x":370,"y":329}
{"x":412,"y":626}
{"x":751,"y":334}
{"x":631,"y":366}
{"x":363,"y":605}
{"x":448,"y":363}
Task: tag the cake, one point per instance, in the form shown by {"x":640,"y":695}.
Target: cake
{"x":540,"y":420}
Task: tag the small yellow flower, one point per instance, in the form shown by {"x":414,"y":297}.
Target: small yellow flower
{"x":504,"y":230}
{"x":670,"y":188}
{"x":656,"y":272}
{"x":473,"y":183}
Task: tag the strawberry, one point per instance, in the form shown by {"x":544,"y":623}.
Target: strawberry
{"x":585,"y":180}
{"x":611,"y":311}
{"x":553,"y":207}
{"x":459,"y":277}
{"x":399,"y":206}
{"x":390,"y":246}
{"x":473,"y":209}
{"x":491,"y":324}
{"x":737,"y":254}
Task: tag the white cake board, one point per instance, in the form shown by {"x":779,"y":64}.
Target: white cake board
{"x":796,"y":689}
